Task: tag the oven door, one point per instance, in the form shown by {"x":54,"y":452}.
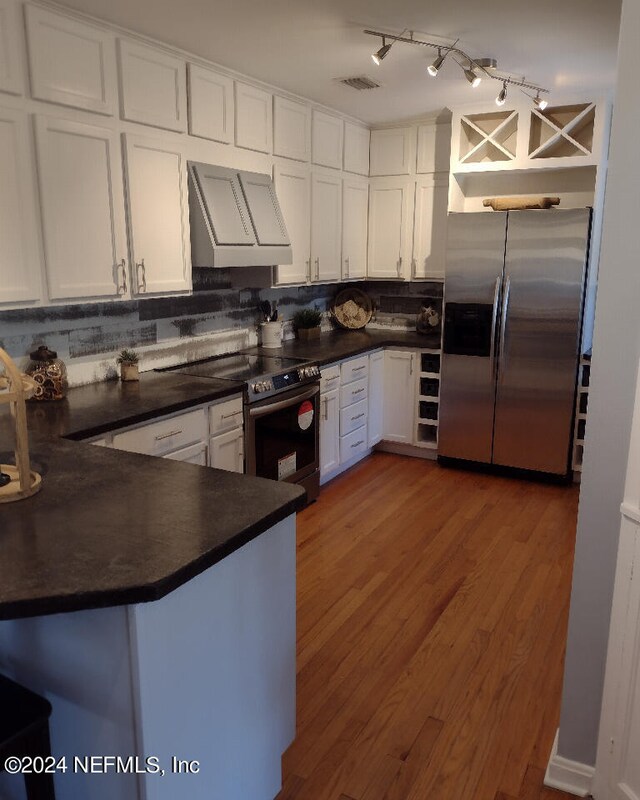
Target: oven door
{"x":282,"y":435}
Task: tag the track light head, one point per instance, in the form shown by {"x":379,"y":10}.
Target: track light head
{"x":381,"y":53}
{"x":471,"y":75}
{"x":540,"y":103}
{"x":502,"y":97}
{"x":433,"y":69}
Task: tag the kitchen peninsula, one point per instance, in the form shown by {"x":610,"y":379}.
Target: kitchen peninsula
{"x":152,"y":601}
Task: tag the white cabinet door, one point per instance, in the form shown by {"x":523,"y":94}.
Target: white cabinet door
{"x":355,"y":224}
{"x":158,"y":216}
{"x":291,"y":129}
{"x":71,"y":62}
{"x":196,"y":454}
{"x":10,"y":63}
{"x":226,"y":451}
{"x":254,"y":118}
{"x":326,"y":227}
{"x":356,"y":149}
{"x":434,"y":147}
{"x":329,"y":433}
{"x":153,"y":86}
{"x":376,"y":397}
{"x":264,"y":209}
{"x":293,"y":187}
{"x":326,"y":140}
{"x":399,"y":396}
{"x":430,"y":227}
{"x":211,"y":104}
{"x":82,"y":201}
{"x":390,"y":227}
{"x":19,"y":256}
{"x":392,"y":151}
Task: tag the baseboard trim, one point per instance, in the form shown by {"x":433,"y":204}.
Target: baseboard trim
{"x":566,"y":775}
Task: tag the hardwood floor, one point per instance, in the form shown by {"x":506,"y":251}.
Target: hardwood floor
{"x":432,"y":614}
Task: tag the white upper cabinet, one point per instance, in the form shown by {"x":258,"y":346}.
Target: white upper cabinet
{"x":291,"y":129}
{"x":434,"y":147}
{"x":264,"y":210}
{"x":355,"y":223}
{"x":19,"y":255}
{"x":158,"y":216}
{"x":392,"y":151}
{"x":10,"y":64}
{"x":293,"y":186}
{"x":153,"y":86}
{"x":390,"y":227}
{"x":211,"y":104}
{"x":430,"y":227}
{"x":326,"y":140}
{"x":82,"y":201}
{"x":326,"y":227}
{"x":254,"y":118}
{"x":70,"y":62}
{"x":356,"y":149}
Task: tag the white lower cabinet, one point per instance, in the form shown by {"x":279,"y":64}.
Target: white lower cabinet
{"x":353,"y":445}
{"x":164,"y":436}
{"x":376,"y":397}
{"x":226,"y":451}
{"x":399,"y":396}
{"x":195,"y":454}
{"x":158,"y":216}
{"x":329,"y":433}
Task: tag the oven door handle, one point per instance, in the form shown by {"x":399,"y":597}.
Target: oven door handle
{"x":260,"y":411}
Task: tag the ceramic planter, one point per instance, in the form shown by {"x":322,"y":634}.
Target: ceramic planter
{"x":304,"y":334}
{"x":129,"y":372}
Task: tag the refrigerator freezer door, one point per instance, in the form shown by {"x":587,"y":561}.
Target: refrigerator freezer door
{"x":473,"y":280}
{"x":545,"y":267}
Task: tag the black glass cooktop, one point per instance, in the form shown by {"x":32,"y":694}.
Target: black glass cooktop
{"x":237,"y":367}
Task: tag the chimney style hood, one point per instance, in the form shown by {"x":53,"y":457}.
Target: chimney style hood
{"x":235,"y":219}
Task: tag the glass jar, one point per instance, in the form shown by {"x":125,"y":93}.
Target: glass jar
{"x":50,"y":374}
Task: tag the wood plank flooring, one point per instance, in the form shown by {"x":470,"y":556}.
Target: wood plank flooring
{"x":432,"y":615}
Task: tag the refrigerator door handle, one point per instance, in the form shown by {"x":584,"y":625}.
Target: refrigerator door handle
{"x":494,"y":323}
{"x":503,"y":323}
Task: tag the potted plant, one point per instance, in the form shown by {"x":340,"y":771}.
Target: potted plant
{"x":306,"y":323}
{"x":128,"y":361}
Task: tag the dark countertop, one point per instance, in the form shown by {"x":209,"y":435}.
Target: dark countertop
{"x":111,"y":528}
{"x":337,"y":345}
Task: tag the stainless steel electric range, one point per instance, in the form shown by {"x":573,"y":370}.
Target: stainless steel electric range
{"x":281,"y":413}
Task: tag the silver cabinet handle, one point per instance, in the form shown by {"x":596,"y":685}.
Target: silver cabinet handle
{"x":326,"y":408}
{"x":233,"y":414}
{"x":122,"y":289}
{"x":357,"y":416}
{"x":358,"y":369}
{"x":318,"y":268}
{"x":141,"y":273}
{"x":399,"y":266}
{"x":346,"y":262}
{"x":358,"y":391}
{"x":162,"y":436}
{"x":411,"y":365}
{"x":308,"y":264}
{"x":414,"y":267}
{"x":357,"y":444}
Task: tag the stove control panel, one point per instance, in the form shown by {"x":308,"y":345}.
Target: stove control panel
{"x":262,"y":386}
{"x":309,"y":372}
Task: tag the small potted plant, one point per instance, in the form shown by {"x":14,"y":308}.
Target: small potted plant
{"x":306,"y":323}
{"x":128,"y":361}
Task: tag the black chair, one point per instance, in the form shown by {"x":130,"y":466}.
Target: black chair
{"x":24,"y":731}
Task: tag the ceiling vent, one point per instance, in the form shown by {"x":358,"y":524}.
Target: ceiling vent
{"x":360,"y":82}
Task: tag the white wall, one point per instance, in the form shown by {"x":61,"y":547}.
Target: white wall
{"x":616,"y":349}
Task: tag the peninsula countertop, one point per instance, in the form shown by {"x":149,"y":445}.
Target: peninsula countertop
{"x":112,"y":528}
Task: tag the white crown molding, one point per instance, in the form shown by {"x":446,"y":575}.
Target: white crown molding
{"x":566,"y":775}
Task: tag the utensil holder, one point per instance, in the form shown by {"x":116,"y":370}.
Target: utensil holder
{"x":271,"y":334}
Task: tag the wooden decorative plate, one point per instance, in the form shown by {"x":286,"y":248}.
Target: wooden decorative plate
{"x":352,"y":309}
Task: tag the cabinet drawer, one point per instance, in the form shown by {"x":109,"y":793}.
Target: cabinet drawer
{"x":164,"y":436}
{"x":352,"y":445}
{"x":225,"y":416}
{"x":354,"y":369}
{"x":353,"y":393}
{"x":330,"y":378}
{"x":194,"y":454}
{"x":353,"y":417}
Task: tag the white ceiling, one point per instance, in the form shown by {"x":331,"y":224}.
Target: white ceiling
{"x":568,"y":46}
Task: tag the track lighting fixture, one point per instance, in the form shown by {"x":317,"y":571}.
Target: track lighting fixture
{"x":471,"y":75}
{"x":433,"y":69}
{"x":539,"y":103}
{"x":476,"y":69}
{"x":382,"y":52}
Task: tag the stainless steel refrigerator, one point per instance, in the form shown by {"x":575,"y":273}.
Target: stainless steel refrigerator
{"x":514,"y":292}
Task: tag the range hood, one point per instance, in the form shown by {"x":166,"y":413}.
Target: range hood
{"x":235,"y":219}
